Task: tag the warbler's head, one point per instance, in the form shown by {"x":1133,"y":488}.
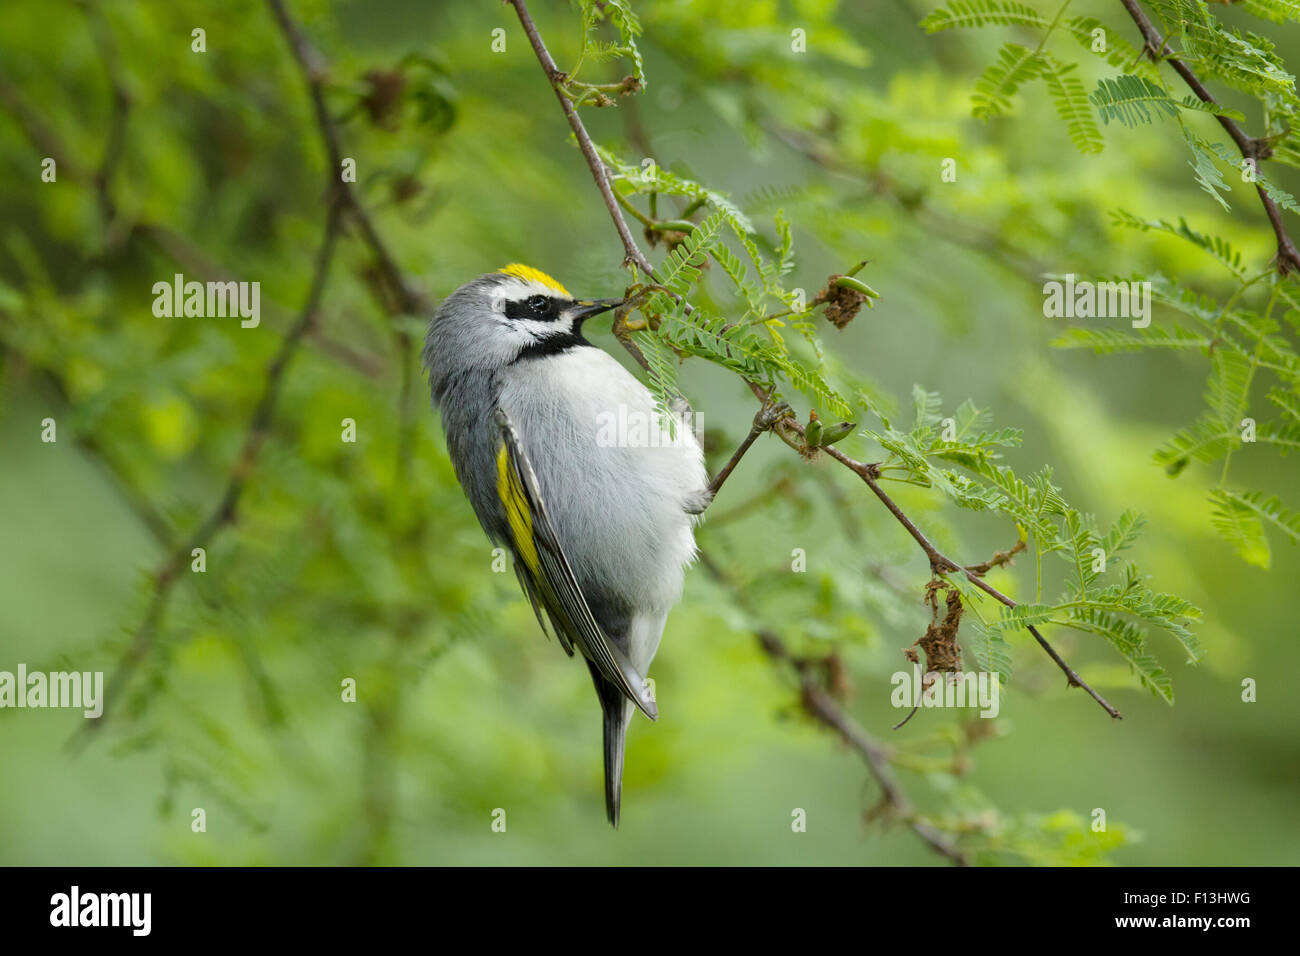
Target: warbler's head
{"x":511,"y":315}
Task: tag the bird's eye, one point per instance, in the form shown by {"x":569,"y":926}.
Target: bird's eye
{"x":537,"y":303}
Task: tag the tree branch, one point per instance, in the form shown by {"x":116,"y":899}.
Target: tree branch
{"x":1288,"y":257}
{"x":224,"y":512}
{"x":407,"y":298}
{"x":632,"y":252}
{"x":820,"y":705}
{"x":166,"y":240}
{"x":939,"y":563}
{"x":314,"y":70}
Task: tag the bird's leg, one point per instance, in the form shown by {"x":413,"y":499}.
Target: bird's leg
{"x":764,"y":420}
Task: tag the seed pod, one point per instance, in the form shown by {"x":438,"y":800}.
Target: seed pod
{"x":834,"y":433}
{"x":848,"y":282}
{"x":812,"y":433}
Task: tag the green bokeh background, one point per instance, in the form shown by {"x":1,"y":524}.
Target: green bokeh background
{"x":347,"y":562}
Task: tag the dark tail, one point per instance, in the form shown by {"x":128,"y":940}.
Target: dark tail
{"x":614,"y":709}
{"x":615,"y":739}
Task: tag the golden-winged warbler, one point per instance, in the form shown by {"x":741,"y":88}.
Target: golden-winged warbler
{"x":598,"y":519}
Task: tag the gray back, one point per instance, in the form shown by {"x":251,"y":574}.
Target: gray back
{"x":464,"y":365}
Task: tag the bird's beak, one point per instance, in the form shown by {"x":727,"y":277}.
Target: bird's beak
{"x":584,"y":309}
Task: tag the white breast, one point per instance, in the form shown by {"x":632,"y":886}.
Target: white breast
{"x":616,"y":486}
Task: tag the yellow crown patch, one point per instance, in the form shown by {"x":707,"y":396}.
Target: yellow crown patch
{"x":521,"y":271}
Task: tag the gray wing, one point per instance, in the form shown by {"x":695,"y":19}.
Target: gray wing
{"x":526,"y":585}
{"x":547,"y":575}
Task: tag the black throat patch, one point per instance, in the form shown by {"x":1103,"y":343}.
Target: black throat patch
{"x":552,"y":345}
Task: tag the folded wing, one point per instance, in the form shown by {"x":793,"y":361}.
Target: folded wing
{"x":547,"y":575}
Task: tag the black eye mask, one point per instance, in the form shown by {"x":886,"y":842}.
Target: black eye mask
{"x":539,"y":308}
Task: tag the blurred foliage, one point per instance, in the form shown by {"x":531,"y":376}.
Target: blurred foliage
{"x":364,"y":561}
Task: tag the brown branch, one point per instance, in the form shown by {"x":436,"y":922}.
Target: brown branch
{"x":166,"y":240}
{"x":340,"y":200}
{"x":999,"y":559}
{"x":939,"y":563}
{"x":224,"y":512}
{"x":115,"y":144}
{"x":406,"y":298}
{"x":1288,"y":257}
{"x":942,"y":564}
{"x":182,"y":250}
{"x":314,"y":70}
{"x":556,"y":77}
{"x":819,"y":704}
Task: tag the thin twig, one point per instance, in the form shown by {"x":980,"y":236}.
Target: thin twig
{"x":224,"y":512}
{"x":115,"y":144}
{"x":405,"y":297}
{"x":166,"y":240}
{"x":556,"y":78}
{"x":314,"y":70}
{"x":999,"y":559}
{"x":1255,"y":150}
{"x":939,"y":562}
{"x":819,"y":704}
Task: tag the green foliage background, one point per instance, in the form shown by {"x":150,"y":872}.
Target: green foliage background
{"x":365,"y":561}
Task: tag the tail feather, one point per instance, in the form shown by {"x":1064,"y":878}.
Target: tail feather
{"x":615,"y":732}
{"x":616,"y":714}
{"x":639,"y":638}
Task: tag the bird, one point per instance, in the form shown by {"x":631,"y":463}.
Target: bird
{"x":600,"y":531}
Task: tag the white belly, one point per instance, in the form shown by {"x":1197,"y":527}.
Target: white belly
{"x":616,"y":487}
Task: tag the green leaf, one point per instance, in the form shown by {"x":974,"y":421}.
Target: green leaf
{"x":1215,"y":246}
{"x":1241,"y":518}
{"x":1123,"y":533}
{"x":980,"y":13}
{"x":991,"y":650}
{"x":1118,"y":51}
{"x":1125,"y":98}
{"x":1278,"y":11}
{"x":1127,"y":638}
{"x":1015,"y":66}
{"x":629,"y":28}
{"x":1024,"y":615}
{"x":1279,"y":195}
{"x":1107,"y":341}
{"x":1207,"y":173}
{"x":1241,"y":527}
{"x":1071,"y":102}
{"x":1082,"y":540}
{"x":926,"y":407}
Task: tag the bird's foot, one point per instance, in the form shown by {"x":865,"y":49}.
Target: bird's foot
{"x":771,"y":413}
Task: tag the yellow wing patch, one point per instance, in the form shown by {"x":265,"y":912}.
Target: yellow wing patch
{"x":521,"y":271}
{"x":517,"y":513}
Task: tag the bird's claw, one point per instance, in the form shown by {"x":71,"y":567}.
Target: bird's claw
{"x":770,"y":414}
